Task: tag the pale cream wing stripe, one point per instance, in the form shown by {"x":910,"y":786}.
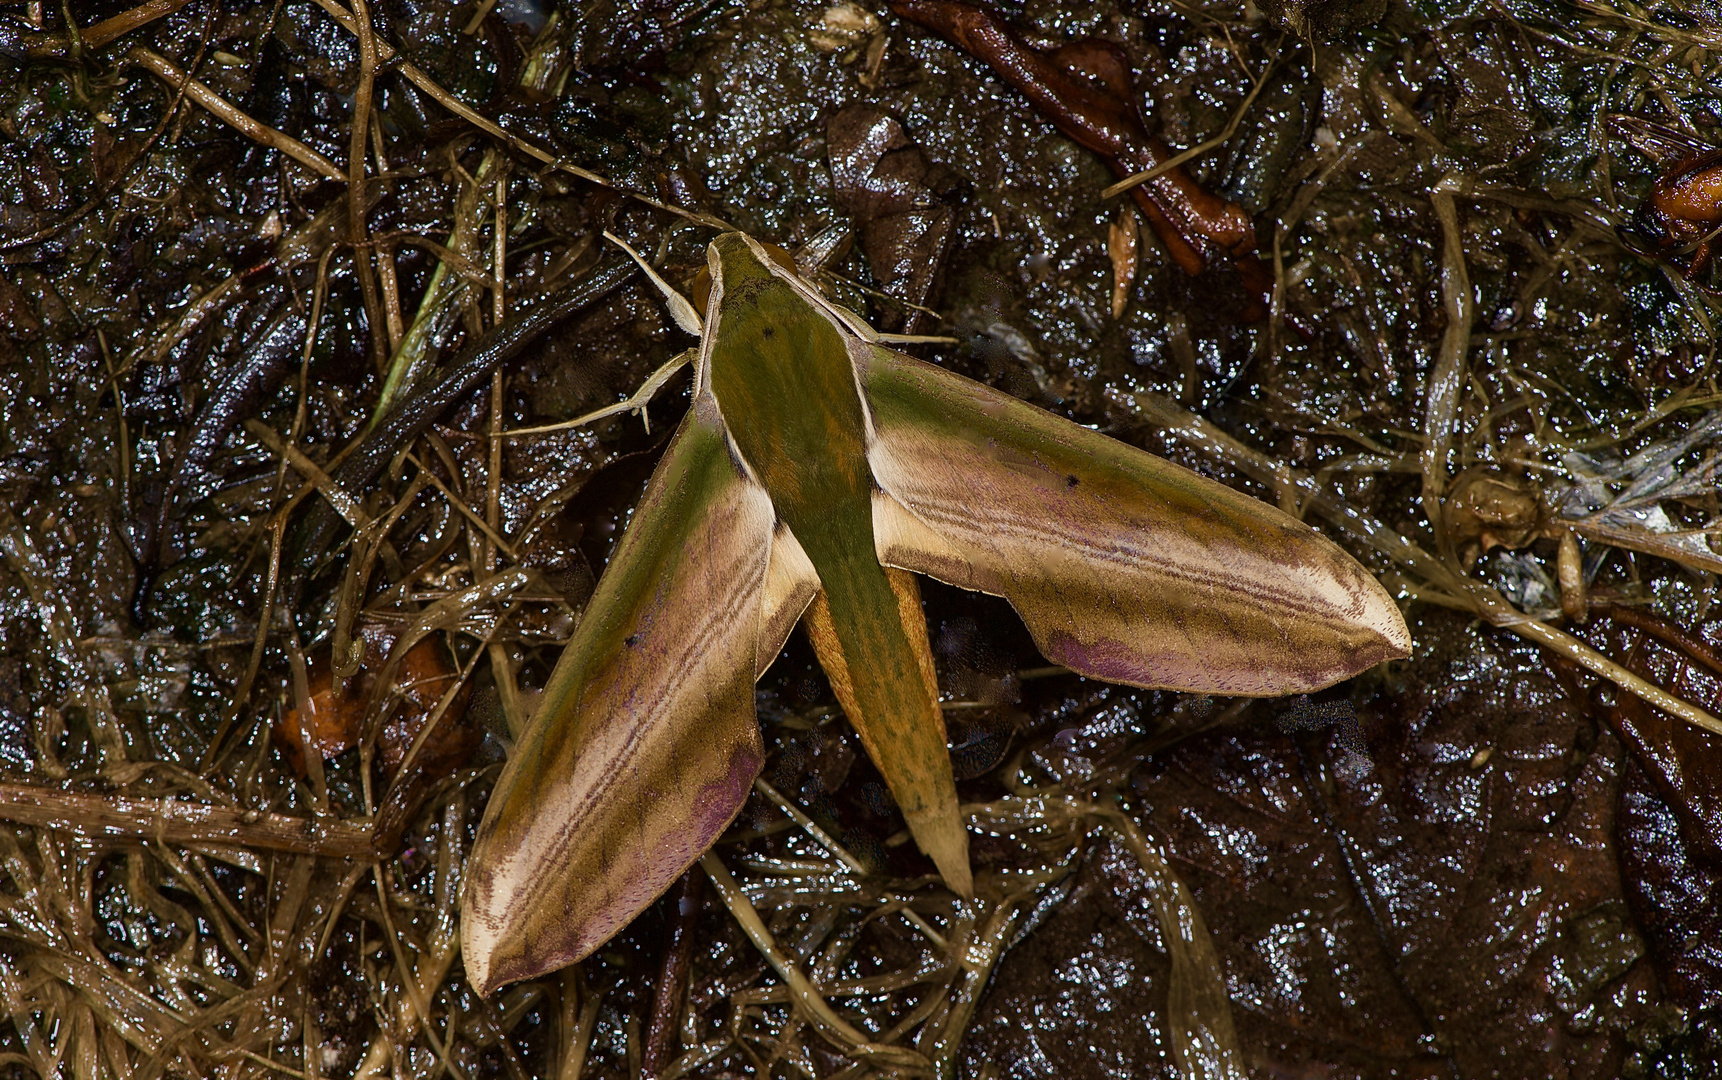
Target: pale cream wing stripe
{"x":1123,"y":565}
{"x":790,"y":585}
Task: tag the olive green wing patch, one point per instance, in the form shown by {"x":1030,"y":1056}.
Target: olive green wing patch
{"x":644,"y":744}
{"x":1124,"y":566}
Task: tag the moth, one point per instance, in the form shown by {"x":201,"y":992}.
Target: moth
{"x":816,"y":471}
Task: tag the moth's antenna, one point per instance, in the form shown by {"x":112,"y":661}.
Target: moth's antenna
{"x":680,"y":310}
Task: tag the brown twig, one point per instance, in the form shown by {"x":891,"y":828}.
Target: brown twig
{"x":242,"y":692}
{"x":1448,"y":375}
{"x":385,"y":258}
{"x":120,"y":174}
{"x":225,"y":111}
{"x":418,"y":77}
{"x":176,"y":821}
{"x":363,"y":258}
{"x":460,"y":504}
{"x":1192,"y":223}
{"x":47,"y":46}
{"x":806,"y":996}
{"x":457,"y":263}
{"x":1200,"y":148}
{"x":472,"y":24}
{"x":344,"y":504}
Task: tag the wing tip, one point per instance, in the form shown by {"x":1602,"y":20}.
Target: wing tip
{"x":1398,"y":634}
{"x":480,"y":973}
{"x":489,"y":967}
{"x":520,"y":923}
{"x":504,"y":936}
{"x":478,"y":948}
{"x":1381,"y":616}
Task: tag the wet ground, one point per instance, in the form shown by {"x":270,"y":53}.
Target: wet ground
{"x":1474,"y":343}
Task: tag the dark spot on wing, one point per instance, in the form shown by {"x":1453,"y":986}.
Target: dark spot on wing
{"x":1070,"y":482}
{"x":768,"y":331}
{"x":632,"y":640}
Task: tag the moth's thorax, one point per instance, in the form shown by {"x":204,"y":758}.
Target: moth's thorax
{"x":782,"y":376}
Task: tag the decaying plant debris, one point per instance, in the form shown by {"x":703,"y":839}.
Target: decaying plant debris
{"x":298,"y":297}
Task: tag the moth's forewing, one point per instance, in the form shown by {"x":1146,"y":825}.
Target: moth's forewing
{"x":644,"y":744}
{"x":1124,"y":566}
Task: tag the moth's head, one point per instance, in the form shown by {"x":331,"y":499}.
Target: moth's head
{"x":735,"y":259}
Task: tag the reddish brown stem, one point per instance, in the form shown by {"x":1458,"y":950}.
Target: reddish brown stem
{"x":1192,"y":223}
{"x":663,"y":1028}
